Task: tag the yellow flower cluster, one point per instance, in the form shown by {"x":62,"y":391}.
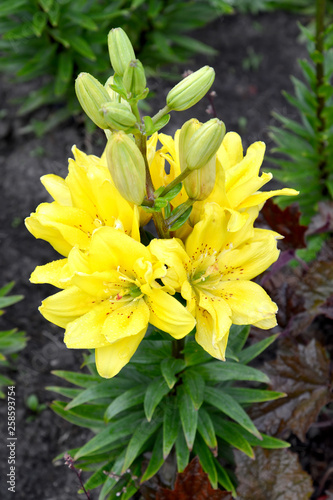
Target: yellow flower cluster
{"x":113,"y":286}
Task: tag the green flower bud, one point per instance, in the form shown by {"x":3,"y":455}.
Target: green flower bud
{"x":91,"y":95}
{"x":120,"y":49}
{"x":118,"y":116}
{"x":200,"y":183}
{"x":134,"y":78}
{"x":127,"y":167}
{"x":204,"y":143}
{"x":191,"y":89}
{"x":186,"y":133}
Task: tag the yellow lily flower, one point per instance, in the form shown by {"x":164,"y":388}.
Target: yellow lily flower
{"x":112,"y":297}
{"x":237,"y":179}
{"x":212,"y":271}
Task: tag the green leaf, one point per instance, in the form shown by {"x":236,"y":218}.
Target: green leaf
{"x":105,"y":389}
{"x":156,"y":460}
{"x":80,"y":379}
{"x":39,"y":22}
{"x":244,"y":395}
{"x":64,"y":73}
{"x":156,"y":391}
{"x":111,"y":433}
{"x":7,"y":288}
{"x":182,"y":452}
{"x":229,"y":406}
{"x":90,"y":416}
{"x":194,"y":386}
{"x":206,"y":460}
{"x":173,"y":192}
{"x":254,"y":350}
{"x":194,"y":354}
{"x":230,"y":433}
{"x":207,"y":431}
{"x":127,"y":400}
{"x":64,"y":391}
{"x":81,"y":46}
{"x":9,"y":7}
{"x":170,"y":426}
{"x":141,"y":435}
{"x":46,"y":4}
{"x":54,"y":14}
{"x":83,"y":20}
{"x":221,"y":371}
{"x":182,"y":219}
{"x":8,"y":301}
{"x":237,"y":337}
{"x":188,"y":416}
{"x":224,"y":479}
{"x":5,"y":380}
{"x":169,"y":368}
{"x":268,"y":442}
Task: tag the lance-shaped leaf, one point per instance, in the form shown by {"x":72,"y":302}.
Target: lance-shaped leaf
{"x":217,"y":371}
{"x":169,"y":368}
{"x":188,"y":416}
{"x":303,"y":373}
{"x":194,"y":354}
{"x":127,"y":400}
{"x":269,"y":442}
{"x":80,"y":379}
{"x":155,"y":392}
{"x":229,"y":406}
{"x":230,"y":433}
{"x":90,"y":416}
{"x":273,"y":474}
{"x":207,"y":431}
{"x":237,"y":337}
{"x":156,"y":460}
{"x":194,"y":385}
{"x":245,"y":396}
{"x":143,"y":432}
{"x":105,"y":389}
{"x":193,"y":483}
{"x":182,"y":451}
{"x":251,"y":352}
{"x":171,"y":425}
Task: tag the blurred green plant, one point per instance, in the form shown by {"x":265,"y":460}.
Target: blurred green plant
{"x":55,"y":40}
{"x":307,"y":147}
{"x":11,"y":341}
{"x":35,"y":407}
{"x":160,"y":403}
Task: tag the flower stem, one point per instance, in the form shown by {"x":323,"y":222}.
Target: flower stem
{"x":177,"y":348}
{"x":176,"y":181}
{"x":161,"y":113}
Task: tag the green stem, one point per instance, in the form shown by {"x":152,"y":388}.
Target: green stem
{"x":176,"y":181}
{"x":321,"y":100}
{"x":185,"y":206}
{"x":177,"y":348}
{"x":161,"y":113}
{"x":162,"y":229}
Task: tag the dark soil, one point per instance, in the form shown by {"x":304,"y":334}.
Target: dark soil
{"x":245,"y":100}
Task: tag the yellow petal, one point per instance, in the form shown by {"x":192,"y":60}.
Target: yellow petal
{"x":97,"y":284}
{"x":86,"y":331}
{"x":231,"y":150}
{"x":110,"y":248}
{"x":126,"y":320}
{"x":248,"y":168}
{"x":172,"y":253}
{"x":208,"y":235}
{"x":52,"y":273}
{"x":112,"y":358}
{"x":259,"y":198}
{"x":213,"y":325}
{"x":48,"y":233}
{"x":244,"y":190}
{"x":249,"y":303}
{"x":167,"y":314}
{"x":57,"y":188}
{"x":248,"y":260}
{"x":66,"y":306}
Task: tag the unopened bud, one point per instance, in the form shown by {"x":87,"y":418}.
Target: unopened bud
{"x":120,"y":49}
{"x":91,"y":95}
{"x":200,"y":183}
{"x":118,"y":116}
{"x":134,"y":78}
{"x":204,"y":143}
{"x":185,"y":135}
{"x":127,"y":167}
{"x":191,"y":89}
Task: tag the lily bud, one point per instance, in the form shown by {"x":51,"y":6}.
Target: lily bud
{"x":117,"y":115}
{"x":91,"y":95}
{"x":127,"y":167}
{"x":120,"y":49}
{"x":191,"y":89}
{"x":185,"y":135}
{"x":134,"y":78}
{"x":200,"y":183}
{"x":204,"y":143}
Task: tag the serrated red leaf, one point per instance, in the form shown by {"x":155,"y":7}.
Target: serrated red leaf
{"x":303,"y":373}
{"x":273,"y":475}
{"x":193,"y":484}
{"x":286,"y":222}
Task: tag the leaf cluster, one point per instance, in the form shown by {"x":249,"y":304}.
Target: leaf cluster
{"x":58,"y":39}
{"x":11,"y":341}
{"x":305,"y":148}
{"x":187,"y":406}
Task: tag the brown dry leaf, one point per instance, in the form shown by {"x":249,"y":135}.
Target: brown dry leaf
{"x":285,"y":222}
{"x":273,"y":475}
{"x":303,"y":373}
{"x":322,"y":222}
{"x":193,"y":484}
